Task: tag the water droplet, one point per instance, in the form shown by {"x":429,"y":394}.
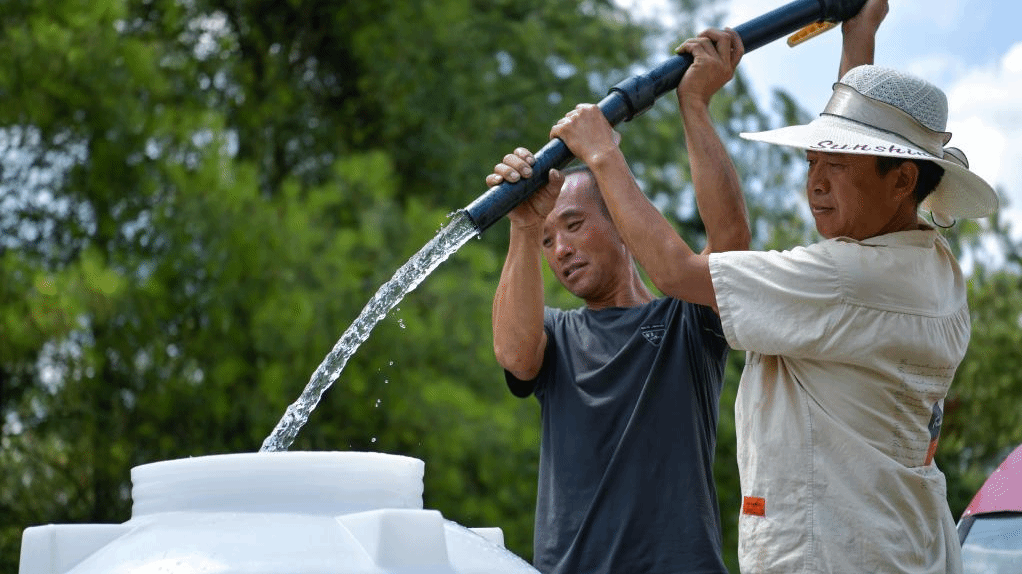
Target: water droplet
{"x":377,"y":403}
{"x":373,"y":439}
{"x":407,"y":278}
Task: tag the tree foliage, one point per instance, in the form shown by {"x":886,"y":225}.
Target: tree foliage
{"x":982,"y":423}
{"x":197,"y":197}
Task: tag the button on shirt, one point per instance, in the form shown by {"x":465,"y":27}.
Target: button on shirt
{"x":851,"y":347}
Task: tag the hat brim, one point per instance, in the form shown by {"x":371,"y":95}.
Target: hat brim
{"x":960,"y":193}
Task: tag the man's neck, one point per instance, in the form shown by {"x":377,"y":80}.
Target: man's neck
{"x":633,"y":294}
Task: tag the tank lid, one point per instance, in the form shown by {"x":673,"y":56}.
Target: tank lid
{"x":330,"y":483}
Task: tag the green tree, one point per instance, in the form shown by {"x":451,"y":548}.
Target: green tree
{"x":197,"y":197}
{"x":982,"y":424}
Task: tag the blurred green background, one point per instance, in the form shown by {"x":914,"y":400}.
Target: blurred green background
{"x":198,"y":196}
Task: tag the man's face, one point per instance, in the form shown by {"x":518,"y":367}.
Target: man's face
{"x":582,"y":245}
{"x":847,"y":196}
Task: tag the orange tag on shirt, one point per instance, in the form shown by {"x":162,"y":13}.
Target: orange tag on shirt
{"x":930,"y":452}
{"x":936,"y":421}
{"x":754,"y":506}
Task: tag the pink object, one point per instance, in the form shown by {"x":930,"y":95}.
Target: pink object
{"x":1002,"y":491}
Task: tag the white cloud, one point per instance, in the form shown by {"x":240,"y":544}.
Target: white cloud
{"x":986,"y":120}
{"x":1013,"y":59}
{"x":982,"y":143}
{"x":939,"y":15}
{"x":937,"y":68}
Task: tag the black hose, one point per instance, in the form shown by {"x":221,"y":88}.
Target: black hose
{"x":635,"y":95}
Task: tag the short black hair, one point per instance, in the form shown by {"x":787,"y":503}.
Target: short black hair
{"x":930,"y":174}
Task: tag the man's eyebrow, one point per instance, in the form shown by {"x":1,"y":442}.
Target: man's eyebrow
{"x":570,"y":212}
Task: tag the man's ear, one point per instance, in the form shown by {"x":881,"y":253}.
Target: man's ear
{"x":905,"y":182}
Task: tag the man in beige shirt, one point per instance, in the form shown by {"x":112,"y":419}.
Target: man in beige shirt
{"x":852,"y":342}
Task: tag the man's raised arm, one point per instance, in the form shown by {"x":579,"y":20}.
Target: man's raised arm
{"x":519,"y":340}
{"x":714,"y":179}
{"x":858,"y":42}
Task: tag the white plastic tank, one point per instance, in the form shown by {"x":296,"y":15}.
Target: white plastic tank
{"x":273,"y":513}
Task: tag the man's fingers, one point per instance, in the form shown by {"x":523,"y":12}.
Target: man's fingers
{"x":726,"y":44}
{"x":506,"y":173}
{"x":513,"y":167}
{"x":737,"y":46}
{"x":516,"y":163}
{"x":693,"y":45}
{"x":526,"y":155}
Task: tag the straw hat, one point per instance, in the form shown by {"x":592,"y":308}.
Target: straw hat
{"x":883,"y":112}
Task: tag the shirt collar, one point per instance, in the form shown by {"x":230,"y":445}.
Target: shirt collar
{"x":925,"y":236}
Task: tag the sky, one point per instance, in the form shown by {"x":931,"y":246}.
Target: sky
{"x":972,"y":49}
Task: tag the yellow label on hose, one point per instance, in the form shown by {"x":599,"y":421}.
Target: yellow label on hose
{"x":810,"y":31}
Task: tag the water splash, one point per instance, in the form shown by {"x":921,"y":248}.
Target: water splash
{"x":446,"y":242}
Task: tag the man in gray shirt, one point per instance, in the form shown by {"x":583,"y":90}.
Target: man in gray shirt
{"x":628,"y":384}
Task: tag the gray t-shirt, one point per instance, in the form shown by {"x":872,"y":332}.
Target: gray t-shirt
{"x":629,"y":400}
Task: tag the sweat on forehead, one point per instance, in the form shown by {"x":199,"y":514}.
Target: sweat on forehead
{"x":580,"y":185}
{"x":578,"y":179}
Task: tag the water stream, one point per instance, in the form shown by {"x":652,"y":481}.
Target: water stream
{"x":448,"y":240}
